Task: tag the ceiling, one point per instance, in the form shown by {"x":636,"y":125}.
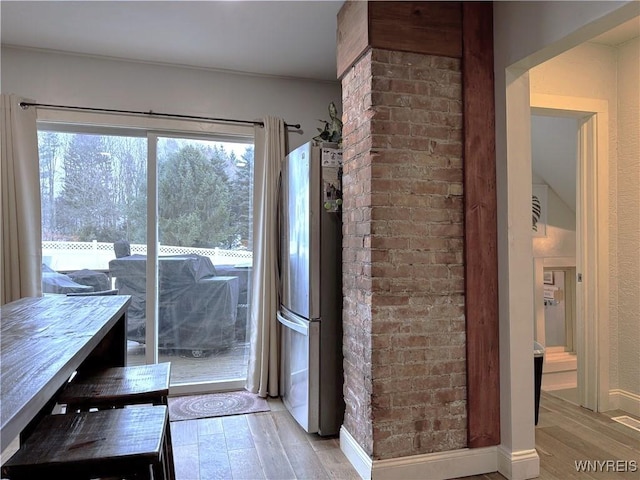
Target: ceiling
{"x":282,"y":38}
{"x":621,"y":34}
{"x":554,"y":155}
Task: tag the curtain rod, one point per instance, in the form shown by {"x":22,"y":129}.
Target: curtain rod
{"x":152,"y":113}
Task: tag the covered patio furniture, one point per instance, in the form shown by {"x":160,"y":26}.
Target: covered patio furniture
{"x":54,"y":282}
{"x":243,"y":272}
{"x":197,"y":309}
{"x":98,"y":280}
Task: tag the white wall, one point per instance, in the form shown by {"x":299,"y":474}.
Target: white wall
{"x":533,"y":32}
{"x":529,"y":33}
{"x":586,"y":71}
{"x":614,"y":78}
{"x":96,"y":82}
{"x":628,"y":235}
{"x":553,"y":157}
{"x":554,"y":143}
{"x":561,"y":230}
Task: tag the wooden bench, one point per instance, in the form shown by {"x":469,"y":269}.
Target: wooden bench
{"x":117,"y":442}
{"x":118,"y":387}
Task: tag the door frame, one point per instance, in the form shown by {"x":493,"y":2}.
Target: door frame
{"x":592,"y":241}
{"x":154,"y":128}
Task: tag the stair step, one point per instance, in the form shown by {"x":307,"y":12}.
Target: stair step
{"x":559,"y":362}
{"x":562,"y":366}
{"x":560,"y":380}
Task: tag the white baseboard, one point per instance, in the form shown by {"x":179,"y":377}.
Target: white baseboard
{"x":355,"y":454}
{"x":439,"y":465}
{"x":519,"y":465}
{"x":623,"y":400}
{"x":434,"y":466}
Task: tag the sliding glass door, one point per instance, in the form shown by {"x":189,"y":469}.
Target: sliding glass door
{"x":204,"y":236}
{"x":163,"y":218}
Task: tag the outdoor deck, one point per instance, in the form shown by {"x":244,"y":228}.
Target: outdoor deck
{"x":230,"y":364}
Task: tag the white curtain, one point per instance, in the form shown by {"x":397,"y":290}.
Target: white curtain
{"x":20,"y":230}
{"x":270,"y":150}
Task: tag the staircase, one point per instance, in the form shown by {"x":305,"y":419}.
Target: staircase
{"x":559,"y":369}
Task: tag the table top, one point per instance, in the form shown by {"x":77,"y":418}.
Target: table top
{"x":43,"y":340}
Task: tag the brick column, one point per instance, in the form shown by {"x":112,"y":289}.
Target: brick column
{"x":404,"y":321}
{"x":357,"y":254}
{"x":420,"y":264}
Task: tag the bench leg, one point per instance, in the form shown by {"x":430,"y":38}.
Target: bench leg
{"x":171,"y":471}
{"x":158,"y":469}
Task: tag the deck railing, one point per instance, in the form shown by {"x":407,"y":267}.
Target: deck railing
{"x":71,"y":256}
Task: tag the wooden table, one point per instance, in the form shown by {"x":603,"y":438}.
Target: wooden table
{"x":43,"y":340}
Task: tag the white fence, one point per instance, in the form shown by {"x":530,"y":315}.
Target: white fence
{"x":70,"y":256}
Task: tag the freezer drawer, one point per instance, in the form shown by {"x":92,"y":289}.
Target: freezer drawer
{"x":300,"y":369}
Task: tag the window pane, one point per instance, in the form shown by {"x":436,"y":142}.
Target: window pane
{"x":93,"y":194}
{"x":93,"y":190}
{"x":204,"y":208}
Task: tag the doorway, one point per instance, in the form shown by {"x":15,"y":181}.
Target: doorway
{"x":554,"y":160}
{"x":560,"y":373}
{"x":591,"y":242}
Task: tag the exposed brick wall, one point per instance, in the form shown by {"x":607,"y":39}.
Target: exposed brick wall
{"x":357,"y":254}
{"x":404,"y":324}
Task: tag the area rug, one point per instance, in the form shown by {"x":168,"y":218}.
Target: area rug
{"x":190,"y":407}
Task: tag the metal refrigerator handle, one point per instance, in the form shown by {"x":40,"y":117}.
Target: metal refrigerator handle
{"x":299,"y":326}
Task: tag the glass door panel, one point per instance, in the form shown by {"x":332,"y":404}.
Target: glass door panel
{"x":204,"y":257}
{"x":93,"y":200}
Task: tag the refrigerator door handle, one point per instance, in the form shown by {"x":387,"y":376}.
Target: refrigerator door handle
{"x":299,"y":326}
{"x":279,"y":224}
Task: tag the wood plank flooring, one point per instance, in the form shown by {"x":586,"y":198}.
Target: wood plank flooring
{"x":567,"y":433}
{"x":266,"y":445}
{"x":270,"y":445}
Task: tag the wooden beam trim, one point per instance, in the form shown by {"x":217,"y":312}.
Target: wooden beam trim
{"x":352,"y":35}
{"x":429,"y":28}
{"x":481,"y":258}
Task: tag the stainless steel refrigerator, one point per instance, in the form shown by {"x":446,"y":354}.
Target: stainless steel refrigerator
{"x":310,"y":311}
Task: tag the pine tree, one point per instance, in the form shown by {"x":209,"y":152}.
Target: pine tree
{"x":129,"y":155}
{"x":242,"y":199}
{"x":50,"y":148}
{"x":86,"y":208}
{"x":193,"y":200}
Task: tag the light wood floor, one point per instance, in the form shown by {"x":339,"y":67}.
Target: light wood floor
{"x":266,"y":445}
{"x":270,"y":445}
{"x":567,"y":433}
